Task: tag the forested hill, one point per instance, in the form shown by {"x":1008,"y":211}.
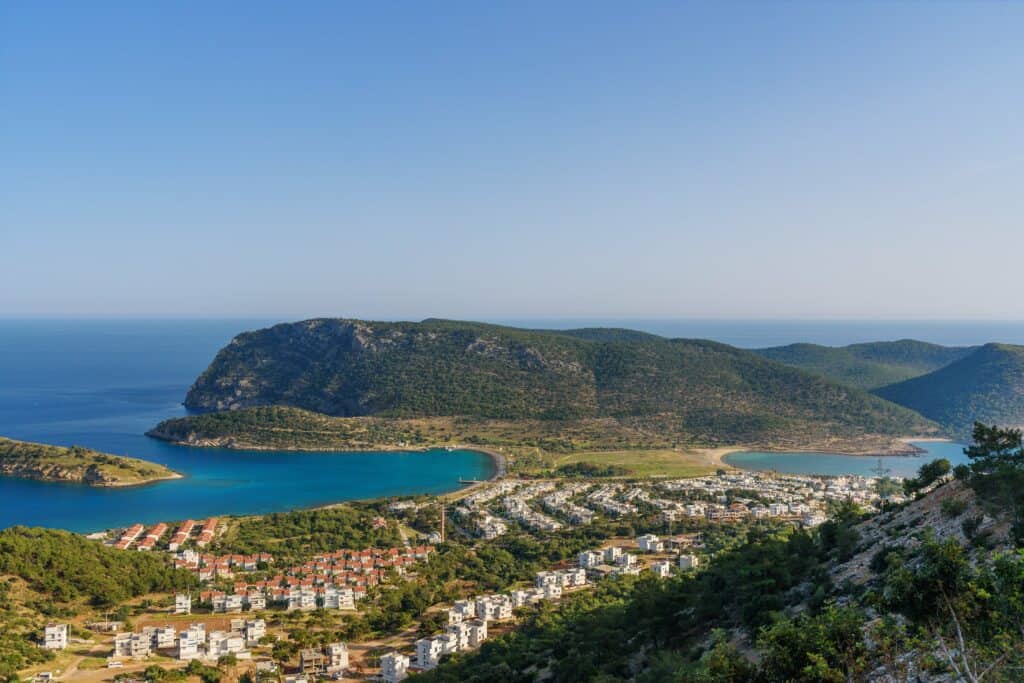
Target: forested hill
{"x":869,"y":365}
{"x":443,"y":368}
{"x":987,"y":385}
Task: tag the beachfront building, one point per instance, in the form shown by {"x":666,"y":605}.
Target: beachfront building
{"x":394,"y":667}
{"x":55,"y":636}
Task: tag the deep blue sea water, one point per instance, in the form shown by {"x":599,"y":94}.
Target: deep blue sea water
{"x":102,"y":384}
{"x":832,"y":464}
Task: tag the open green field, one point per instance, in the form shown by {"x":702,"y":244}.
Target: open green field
{"x":640,"y":463}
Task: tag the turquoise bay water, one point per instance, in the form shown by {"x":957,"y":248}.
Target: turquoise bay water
{"x":102,"y":384}
{"x":832,"y":464}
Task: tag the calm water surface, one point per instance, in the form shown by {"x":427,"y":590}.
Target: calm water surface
{"x":832,"y":464}
{"x":103,"y":384}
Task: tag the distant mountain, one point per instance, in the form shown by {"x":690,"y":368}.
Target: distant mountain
{"x":870,"y":365}
{"x":699,"y":388}
{"x":987,"y":385}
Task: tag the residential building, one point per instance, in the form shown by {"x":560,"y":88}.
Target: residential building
{"x":55,"y":636}
{"x":337,"y":657}
{"x":182,"y":603}
{"x":394,"y":667}
{"x":649,"y":543}
{"x":688,"y":562}
{"x":662,"y":569}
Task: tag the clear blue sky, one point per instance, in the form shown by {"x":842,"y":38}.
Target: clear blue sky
{"x":520,"y":159}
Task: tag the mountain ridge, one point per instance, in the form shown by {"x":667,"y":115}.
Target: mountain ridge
{"x":351,"y":368}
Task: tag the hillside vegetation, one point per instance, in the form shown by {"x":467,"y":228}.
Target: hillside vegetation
{"x":691,"y":389}
{"x":48,"y":574}
{"x":76,"y":464}
{"x":869,"y":365}
{"x":927,"y":591}
{"x":987,"y":385}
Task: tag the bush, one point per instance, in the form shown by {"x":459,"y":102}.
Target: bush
{"x":953,"y":507}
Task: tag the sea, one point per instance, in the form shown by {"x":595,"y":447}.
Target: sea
{"x":103,"y":383}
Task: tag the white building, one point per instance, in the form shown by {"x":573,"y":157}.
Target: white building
{"x":662,"y":569}
{"x":256,"y":601}
{"x":339,"y":598}
{"x":254,"y":631}
{"x":589,"y":559}
{"x":394,"y":667}
{"x":494,"y":607}
{"x":612,"y":554}
{"x":182,"y":603}
{"x":303,"y":600}
{"x":227,"y":603}
{"x":337,"y":657}
{"x":220,"y":643}
{"x":477,"y":632}
{"x":552,"y":591}
{"x":189,"y":647}
{"x":649,"y":543}
{"x":688,"y":562}
{"x":134,"y":645}
{"x":428,"y":653}
{"x":55,"y":636}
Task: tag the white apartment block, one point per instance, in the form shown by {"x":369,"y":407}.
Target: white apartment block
{"x":662,"y":569}
{"x":688,"y":562}
{"x":428,"y":653}
{"x":494,"y":607}
{"x":256,"y":601}
{"x":649,"y":543}
{"x":254,"y":631}
{"x":339,"y":598}
{"x":182,"y":603}
{"x":589,"y":559}
{"x":189,"y":647}
{"x":223,"y":604}
{"x":477,"y":632}
{"x":611,"y":554}
{"x":134,"y":645}
{"x":394,"y":667}
{"x":55,"y":636}
{"x":337,"y":657}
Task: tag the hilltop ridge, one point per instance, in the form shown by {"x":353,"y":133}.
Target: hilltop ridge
{"x":700,"y":390}
{"x":987,"y":385}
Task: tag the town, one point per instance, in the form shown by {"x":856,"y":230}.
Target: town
{"x":243,"y":609}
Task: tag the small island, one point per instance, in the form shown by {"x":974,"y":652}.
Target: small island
{"x":76,"y":465}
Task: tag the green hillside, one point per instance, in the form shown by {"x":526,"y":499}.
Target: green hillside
{"x":870,"y":365}
{"x":987,"y":385}
{"x":444,"y":368}
{"x":44,"y":462}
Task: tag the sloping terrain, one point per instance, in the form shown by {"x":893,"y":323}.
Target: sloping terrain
{"x":870,"y":365}
{"x":987,"y":385}
{"x":445,"y":368}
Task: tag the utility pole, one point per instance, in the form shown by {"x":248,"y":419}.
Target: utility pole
{"x":442,"y":522}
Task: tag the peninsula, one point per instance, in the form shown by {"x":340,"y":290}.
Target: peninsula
{"x":339,"y":384}
{"x":43,"y":462}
